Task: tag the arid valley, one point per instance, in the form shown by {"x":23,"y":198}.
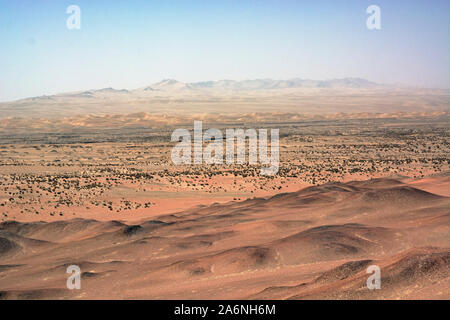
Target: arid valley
{"x":364,"y":179}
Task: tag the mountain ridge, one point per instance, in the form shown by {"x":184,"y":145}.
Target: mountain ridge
{"x":296,"y":95}
{"x":224,"y":84}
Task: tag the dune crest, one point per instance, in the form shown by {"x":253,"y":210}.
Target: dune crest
{"x":301,"y":243}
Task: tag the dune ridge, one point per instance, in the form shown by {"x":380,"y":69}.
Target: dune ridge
{"x":313,"y":243}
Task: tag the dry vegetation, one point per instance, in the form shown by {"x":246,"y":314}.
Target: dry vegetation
{"x":351,"y":191}
{"x":60,"y":175}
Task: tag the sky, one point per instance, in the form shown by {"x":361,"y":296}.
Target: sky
{"x":131,"y":44}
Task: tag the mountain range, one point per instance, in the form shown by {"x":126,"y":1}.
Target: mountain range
{"x":174,"y":86}
{"x":296,"y":95}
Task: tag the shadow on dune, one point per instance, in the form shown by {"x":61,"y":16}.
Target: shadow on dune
{"x":348,"y":225}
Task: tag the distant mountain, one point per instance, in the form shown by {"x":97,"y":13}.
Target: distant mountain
{"x":257,"y":95}
{"x":269,"y":84}
{"x":111,"y":90}
{"x":169,"y":86}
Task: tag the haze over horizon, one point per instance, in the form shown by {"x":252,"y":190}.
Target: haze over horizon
{"x":174,"y":85}
{"x":129,"y":44}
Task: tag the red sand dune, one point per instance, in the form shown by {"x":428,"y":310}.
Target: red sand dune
{"x":309,"y":244}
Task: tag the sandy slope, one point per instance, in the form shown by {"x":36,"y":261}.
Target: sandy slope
{"x":313,"y":243}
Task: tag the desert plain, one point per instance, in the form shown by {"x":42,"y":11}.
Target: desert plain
{"x":87,"y":179}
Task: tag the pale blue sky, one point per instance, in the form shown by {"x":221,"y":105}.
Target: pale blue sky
{"x":129,"y":44}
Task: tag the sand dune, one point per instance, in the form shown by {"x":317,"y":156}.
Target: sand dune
{"x":405,"y":275}
{"x":313,"y":243}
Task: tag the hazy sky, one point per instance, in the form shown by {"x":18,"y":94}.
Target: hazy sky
{"x":130,"y":44}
